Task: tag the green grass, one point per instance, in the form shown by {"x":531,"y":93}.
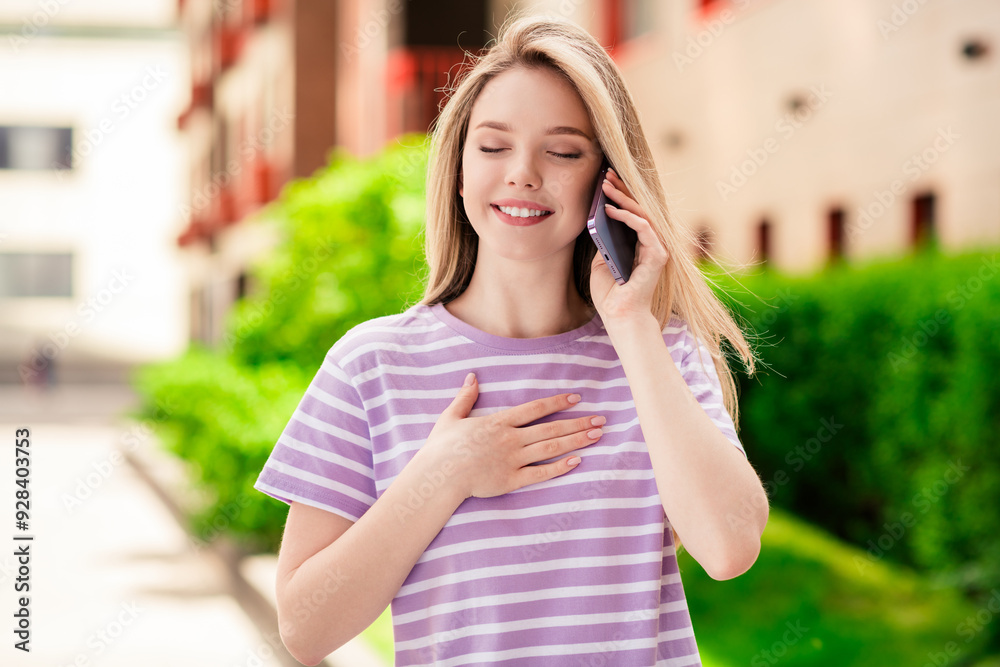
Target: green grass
{"x":843,"y":613}
{"x":846,"y":608}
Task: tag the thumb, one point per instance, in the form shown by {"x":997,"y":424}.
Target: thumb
{"x":466,"y":398}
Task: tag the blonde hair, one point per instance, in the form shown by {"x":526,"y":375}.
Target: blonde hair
{"x":567,"y":49}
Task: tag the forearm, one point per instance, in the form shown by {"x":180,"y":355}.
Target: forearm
{"x":710,"y":492}
{"x":362,"y":570}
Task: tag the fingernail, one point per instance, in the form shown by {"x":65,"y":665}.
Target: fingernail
{"x":574,"y":398}
{"x":573,"y":461}
{"x":595,"y":433}
{"x":598,"y":421}
{"x":469,"y":379}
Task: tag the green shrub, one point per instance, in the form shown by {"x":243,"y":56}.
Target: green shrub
{"x":223,"y":422}
{"x":878,"y":414}
{"x":353,"y":250}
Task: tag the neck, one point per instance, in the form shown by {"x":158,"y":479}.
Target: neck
{"x":521,"y":299}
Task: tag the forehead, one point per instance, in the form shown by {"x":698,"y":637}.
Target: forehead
{"x":530,"y":99}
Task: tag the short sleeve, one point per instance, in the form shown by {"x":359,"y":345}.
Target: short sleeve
{"x":324,"y":455}
{"x":705,"y":385}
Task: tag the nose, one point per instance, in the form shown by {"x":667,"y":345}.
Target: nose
{"x":523,"y":173}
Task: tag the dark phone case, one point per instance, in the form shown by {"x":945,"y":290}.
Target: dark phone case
{"x":614,"y":239}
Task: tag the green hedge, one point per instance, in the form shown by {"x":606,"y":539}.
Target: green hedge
{"x":223,"y":420}
{"x":879,"y":377}
{"x":878,"y":412}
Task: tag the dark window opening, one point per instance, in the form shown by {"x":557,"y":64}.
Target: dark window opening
{"x":453,"y":23}
{"x":974,"y":49}
{"x":431,"y":58}
{"x":923,"y":227}
{"x":703,"y":245}
{"x":242,"y":285}
{"x":835,"y":234}
{"x":764,"y":241}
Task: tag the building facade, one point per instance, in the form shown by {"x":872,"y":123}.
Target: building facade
{"x":90,"y":181}
{"x":792,"y":133}
{"x":802,"y":132}
{"x":276,"y":85}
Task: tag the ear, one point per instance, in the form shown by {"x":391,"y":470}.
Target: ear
{"x":461,"y":184}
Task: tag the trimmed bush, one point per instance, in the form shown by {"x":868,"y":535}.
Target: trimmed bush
{"x":878,"y":414}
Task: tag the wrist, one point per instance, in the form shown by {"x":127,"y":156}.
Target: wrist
{"x":434,"y":478}
{"x":631,"y":326}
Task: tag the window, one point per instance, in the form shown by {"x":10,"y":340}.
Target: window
{"x":451,"y":23}
{"x":703,"y":245}
{"x":27,"y":274}
{"x":923,"y":230}
{"x":835,"y":233}
{"x":764,"y":241}
{"x":34,"y":147}
{"x":432,"y":56}
{"x":242,"y":286}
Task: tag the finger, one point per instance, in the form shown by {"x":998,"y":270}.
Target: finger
{"x":545,"y":471}
{"x":647,"y":237}
{"x":618,"y":183}
{"x":621,"y":197}
{"x":461,"y":405}
{"x":557,"y":429}
{"x":519,"y":415}
{"x":548,"y":449}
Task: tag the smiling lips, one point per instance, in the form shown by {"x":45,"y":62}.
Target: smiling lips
{"x":520,"y":217}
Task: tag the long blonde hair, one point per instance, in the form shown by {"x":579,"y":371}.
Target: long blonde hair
{"x":566,"y":48}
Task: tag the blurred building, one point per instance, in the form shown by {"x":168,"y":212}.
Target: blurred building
{"x":792,"y":132}
{"x":89,"y":188}
{"x":275,"y":86}
{"x":796,"y":132}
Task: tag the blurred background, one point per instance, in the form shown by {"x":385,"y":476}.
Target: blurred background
{"x":198,"y":197}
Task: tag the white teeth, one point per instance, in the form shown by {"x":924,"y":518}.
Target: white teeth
{"x":521,"y":212}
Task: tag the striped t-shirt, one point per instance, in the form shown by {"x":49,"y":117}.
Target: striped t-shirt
{"x":578,"y":570}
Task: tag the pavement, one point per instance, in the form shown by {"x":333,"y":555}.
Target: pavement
{"x":114,"y":578}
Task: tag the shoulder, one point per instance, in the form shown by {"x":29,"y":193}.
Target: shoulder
{"x":386,"y":328}
{"x":678,"y":337}
{"x":364,"y":344}
{"x":686,"y":348}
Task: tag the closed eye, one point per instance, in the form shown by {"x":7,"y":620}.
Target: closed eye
{"x":568,"y":156}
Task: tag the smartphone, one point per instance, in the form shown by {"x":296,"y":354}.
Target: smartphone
{"x":614,"y":239}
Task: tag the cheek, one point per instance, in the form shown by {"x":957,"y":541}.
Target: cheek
{"x":582,"y":197}
{"x":473,"y":175}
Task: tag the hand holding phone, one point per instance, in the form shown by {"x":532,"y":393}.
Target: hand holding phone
{"x":614,"y":239}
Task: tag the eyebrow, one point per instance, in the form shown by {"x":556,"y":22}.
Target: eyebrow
{"x":560,"y":129}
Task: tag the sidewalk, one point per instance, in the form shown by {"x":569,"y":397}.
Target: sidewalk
{"x":115,"y":581}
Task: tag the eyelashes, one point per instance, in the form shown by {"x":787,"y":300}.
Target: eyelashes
{"x":568,"y":156}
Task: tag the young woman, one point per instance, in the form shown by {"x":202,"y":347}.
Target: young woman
{"x":511,"y":461}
